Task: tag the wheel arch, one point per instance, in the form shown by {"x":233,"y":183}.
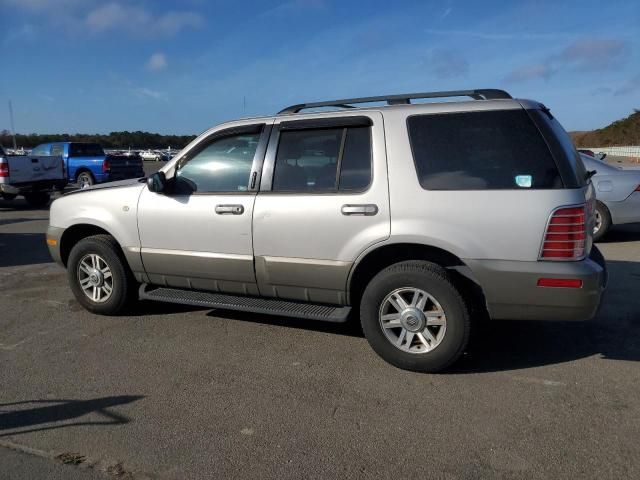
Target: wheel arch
{"x":83,"y":169}
{"x":72,"y":235}
{"x":376,"y":259}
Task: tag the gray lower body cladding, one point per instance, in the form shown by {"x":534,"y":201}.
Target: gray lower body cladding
{"x":512,"y":293}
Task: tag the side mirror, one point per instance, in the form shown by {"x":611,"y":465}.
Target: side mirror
{"x":157,"y":182}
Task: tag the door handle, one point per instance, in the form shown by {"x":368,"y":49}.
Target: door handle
{"x":367,"y":209}
{"x":229,"y":209}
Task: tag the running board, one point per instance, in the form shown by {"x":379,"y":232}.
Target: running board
{"x":269,"y":306}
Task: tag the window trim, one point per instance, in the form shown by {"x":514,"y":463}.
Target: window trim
{"x":256,"y":165}
{"x":417,"y":173}
{"x":268,"y":170}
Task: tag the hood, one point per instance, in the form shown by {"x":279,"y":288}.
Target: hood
{"x":120,"y":183}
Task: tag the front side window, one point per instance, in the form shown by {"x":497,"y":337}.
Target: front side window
{"x":221,"y":165}
{"x":323,"y":160}
{"x":492,"y":150}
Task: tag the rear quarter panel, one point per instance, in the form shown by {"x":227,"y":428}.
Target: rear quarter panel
{"x":480,"y":224}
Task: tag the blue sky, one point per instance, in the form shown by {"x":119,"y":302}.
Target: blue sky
{"x":183,"y":66}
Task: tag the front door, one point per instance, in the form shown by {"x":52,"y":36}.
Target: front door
{"x":197,"y":234}
{"x":324,"y":199}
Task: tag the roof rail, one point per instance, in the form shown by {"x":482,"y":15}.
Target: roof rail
{"x":402,"y":99}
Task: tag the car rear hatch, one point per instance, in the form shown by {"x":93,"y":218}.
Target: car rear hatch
{"x":492,"y":179}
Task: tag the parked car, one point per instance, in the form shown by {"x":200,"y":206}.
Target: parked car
{"x":421,"y":218}
{"x":617,"y":193}
{"x":33,"y":176}
{"x":87,"y":164}
{"x":150,"y":155}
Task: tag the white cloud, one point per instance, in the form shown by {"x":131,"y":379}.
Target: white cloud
{"x":116,"y":16}
{"x":530,"y":72}
{"x":148,"y":93}
{"x":157,"y":61}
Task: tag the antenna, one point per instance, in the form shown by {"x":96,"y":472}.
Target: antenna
{"x":13,"y":128}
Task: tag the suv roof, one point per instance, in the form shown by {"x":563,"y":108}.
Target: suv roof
{"x":400,"y":99}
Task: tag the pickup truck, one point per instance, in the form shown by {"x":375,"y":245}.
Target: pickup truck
{"x":33,"y":176}
{"x":87,"y":164}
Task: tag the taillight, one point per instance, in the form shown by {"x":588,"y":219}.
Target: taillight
{"x":637,"y":189}
{"x":4,"y":168}
{"x":106,"y":165}
{"x":566,"y":234}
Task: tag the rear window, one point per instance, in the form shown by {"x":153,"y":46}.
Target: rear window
{"x":493,"y":150}
{"x":85,"y":150}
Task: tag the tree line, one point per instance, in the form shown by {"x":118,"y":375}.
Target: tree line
{"x":122,"y":140}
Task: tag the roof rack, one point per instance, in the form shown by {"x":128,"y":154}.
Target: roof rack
{"x":402,"y":99}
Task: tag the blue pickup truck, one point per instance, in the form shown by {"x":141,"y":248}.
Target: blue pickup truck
{"x":86,"y":163}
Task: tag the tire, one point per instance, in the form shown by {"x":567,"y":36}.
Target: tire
{"x":9,"y":196}
{"x":85,"y":179}
{"x":448,"y":345}
{"x":122,"y":282}
{"x":603,"y":218}
{"x":37,"y":199}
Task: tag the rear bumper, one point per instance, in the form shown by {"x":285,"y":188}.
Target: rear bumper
{"x":511,"y":289}
{"x":38,"y":186}
{"x":124,"y":175}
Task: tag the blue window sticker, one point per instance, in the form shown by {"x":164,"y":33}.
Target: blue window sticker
{"x":524,"y":181}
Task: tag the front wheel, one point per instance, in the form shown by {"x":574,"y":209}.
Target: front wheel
{"x":99,"y":276}
{"x":414,"y":317}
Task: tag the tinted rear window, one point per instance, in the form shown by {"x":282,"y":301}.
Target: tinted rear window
{"x":85,"y":150}
{"x":493,"y":150}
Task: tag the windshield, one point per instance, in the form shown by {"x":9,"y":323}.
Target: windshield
{"x":85,"y":150}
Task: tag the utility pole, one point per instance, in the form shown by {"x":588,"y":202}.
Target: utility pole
{"x":244,"y":105}
{"x":13,"y":128}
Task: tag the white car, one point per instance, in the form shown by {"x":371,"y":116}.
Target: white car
{"x":617,"y":194}
{"x":150,"y":155}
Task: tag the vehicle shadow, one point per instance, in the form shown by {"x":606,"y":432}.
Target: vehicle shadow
{"x":48,"y":414}
{"x":622,"y":234}
{"x":23,"y":249}
{"x":612,"y":334}
{"x":350,"y":328}
{"x":512,"y":345}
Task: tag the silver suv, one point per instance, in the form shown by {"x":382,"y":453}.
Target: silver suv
{"x":420,"y":217}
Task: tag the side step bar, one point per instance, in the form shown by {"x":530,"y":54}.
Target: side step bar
{"x":269,"y":306}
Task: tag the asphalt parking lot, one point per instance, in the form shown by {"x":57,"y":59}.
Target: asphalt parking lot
{"x":171,"y":392}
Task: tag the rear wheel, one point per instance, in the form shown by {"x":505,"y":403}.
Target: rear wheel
{"x":414,"y":317}
{"x":99,"y":276}
{"x":84,"y":180}
{"x":602,"y":222}
{"x":37,"y":199}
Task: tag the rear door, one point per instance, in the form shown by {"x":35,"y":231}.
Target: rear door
{"x":323,"y":200}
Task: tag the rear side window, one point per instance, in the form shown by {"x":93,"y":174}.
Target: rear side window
{"x":43,"y":150}
{"x":85,"y":150}
{"x":493,"y":150}
{"x":323,"y":160}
